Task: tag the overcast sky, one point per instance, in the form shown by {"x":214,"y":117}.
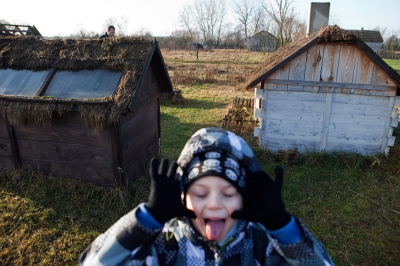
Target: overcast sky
{"x":160,"y":17}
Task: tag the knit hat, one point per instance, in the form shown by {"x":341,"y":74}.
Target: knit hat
{"x":214,"y":151}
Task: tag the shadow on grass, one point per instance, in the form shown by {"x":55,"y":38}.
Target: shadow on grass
{"x":193,"y":103}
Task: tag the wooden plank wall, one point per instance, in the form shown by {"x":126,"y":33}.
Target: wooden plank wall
{"x":140,"y":129}
{"x":331,"y":97}
{"x":336,"y":68}
{"x":6,"y":159}
{"x":357,"y":123}
{"x":292,"y":119}
{"x":68,"y":148}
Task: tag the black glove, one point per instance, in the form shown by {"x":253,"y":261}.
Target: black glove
{"x":165,"y":194}
{"x":263,"y":201}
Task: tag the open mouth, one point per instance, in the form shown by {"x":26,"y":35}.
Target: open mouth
{"x":214,"y":228}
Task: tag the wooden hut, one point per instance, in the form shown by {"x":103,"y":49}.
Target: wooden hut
{"x":262,"y":41}
{"x":85,"y":109}
{"x":326,"y":92}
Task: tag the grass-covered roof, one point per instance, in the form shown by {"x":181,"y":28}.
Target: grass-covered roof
{"x":129,"y":55}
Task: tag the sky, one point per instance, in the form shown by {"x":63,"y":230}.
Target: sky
{"x":161,"y":17}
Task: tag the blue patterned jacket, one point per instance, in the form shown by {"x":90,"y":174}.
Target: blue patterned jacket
{"x":129,"y":242}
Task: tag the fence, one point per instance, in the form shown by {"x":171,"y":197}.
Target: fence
{"x":240,"y":119}
{"x":389,"y":54}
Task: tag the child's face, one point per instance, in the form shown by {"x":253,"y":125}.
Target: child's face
{"x":213,"y":200}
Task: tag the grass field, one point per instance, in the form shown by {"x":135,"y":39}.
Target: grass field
{"x":350,"y":202}
{"x":394,"y":63}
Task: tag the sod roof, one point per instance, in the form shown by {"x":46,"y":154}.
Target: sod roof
{"x":287,"y":53}
{"x":131,"y":56}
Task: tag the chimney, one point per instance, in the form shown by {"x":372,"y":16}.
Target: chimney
{"x":319,"y":16}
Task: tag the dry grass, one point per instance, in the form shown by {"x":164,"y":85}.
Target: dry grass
{"x":218,"y":67}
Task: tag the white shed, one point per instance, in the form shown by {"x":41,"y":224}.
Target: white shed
{"x":326,"y":92}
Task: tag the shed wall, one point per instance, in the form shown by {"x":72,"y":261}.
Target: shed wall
{"x":140,"y":135}
{"x":323,"y":122}
{"x":332,"y":97}
{"x":6,"y":159}
{"x":67,"y":148}
{"x":357,"y":123}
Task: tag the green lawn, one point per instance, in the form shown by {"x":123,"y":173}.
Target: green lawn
{"x":394,"y":63}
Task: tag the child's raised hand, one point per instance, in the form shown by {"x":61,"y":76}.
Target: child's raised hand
{"x":165,"y":194}
{"x":263,"y":202}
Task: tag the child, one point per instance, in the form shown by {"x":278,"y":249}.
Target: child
{"x":221,"y":210}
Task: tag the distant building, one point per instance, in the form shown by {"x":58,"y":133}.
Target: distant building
{"x":262,"y":41}
{"x":372,"y":38}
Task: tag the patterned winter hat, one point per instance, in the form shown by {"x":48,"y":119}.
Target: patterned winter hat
{"x":214,"y":151}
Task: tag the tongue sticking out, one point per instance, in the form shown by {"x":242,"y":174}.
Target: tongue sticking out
{"x":214,"y":229}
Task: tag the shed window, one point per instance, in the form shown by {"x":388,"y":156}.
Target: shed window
{"x":21,"y":82}
{"x":84,"y":84}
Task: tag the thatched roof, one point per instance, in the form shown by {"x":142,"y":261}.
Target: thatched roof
{"x":327,"y":34}
{"x":368,"y":35}
{"x":131,"y":56}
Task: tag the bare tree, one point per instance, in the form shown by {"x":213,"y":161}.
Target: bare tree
{"x":186,"y":20}
{"x":258,"y":21}
{"x":81,"y":32}
{"x":299,"y":29}
{"x":109,"y":21}
{"x":144,"y":33}
{"x":221,"y":13}
{"x":244,"y":11}
{"x":282,"y":14}
{"x":208,"y":16}
{"x":382,"y":30}
{"x":333,"y":19}
{"x":121,"y":25}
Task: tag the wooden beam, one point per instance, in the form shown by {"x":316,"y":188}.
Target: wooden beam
{"x":387,"y":125}
{"x":13,"y":143}
{"x":329,"y":84}
{"x":45,"y":82}
{"x":326,"y":119}
{"x":39,"y":100}
{"x":117,"y":161}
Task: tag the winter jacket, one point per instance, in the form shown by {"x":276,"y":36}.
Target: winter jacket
{"x":129,"y":242}
{"x":105,"y":35}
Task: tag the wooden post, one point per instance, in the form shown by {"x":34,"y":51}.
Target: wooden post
{"x":13,"y":143}
{"x":117,"y":163}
